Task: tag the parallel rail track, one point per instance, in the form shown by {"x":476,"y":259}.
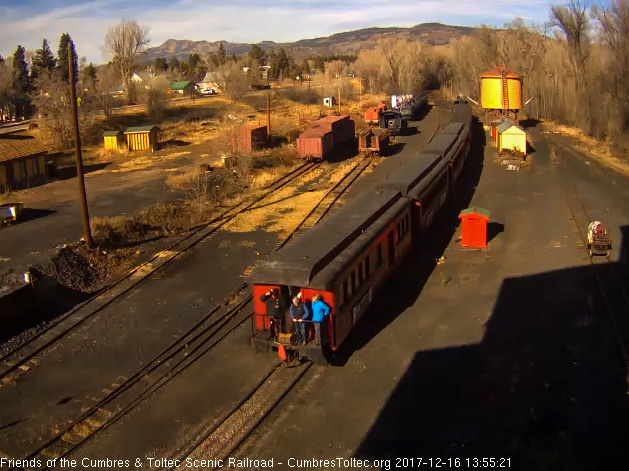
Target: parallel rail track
{"x":607,"y":276}
{"x":158,"y":372}
{"x":325,"y":204}
{"x":188,"y":349}
{"x":224,"y":438}
{"x":22,"y":357}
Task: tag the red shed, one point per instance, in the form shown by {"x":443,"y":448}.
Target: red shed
{"x":474,"y":227}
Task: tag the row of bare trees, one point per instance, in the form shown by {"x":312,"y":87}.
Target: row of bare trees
{"x":401,"y":67}
{"x":574,"y":65}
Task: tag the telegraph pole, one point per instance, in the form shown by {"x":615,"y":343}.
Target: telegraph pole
{"x":339,"y":100}
{"x":268,"y":114}
{"x":87,"y":233}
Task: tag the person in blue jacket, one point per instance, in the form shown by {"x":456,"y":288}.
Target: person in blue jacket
{"x":299,"y":313}
{"x":320,"y":310}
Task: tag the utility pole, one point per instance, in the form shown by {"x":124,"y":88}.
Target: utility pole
{"x":309,"y":91}
{"x":339,"y":100}
{"x":87,"y":232}
{"x":268,"y":114}
{"x":360,"y":93}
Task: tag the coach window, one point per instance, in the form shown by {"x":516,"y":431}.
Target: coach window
{"x":345,"y":293}
{"x":367,"y":268}
{"x":379,"y":256}
{"x":353,"y":283}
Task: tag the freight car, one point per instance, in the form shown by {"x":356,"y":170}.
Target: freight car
{"x":349,"y":256}
{"x":372,"y":115}
{"x":326,"y":136}
{"x":393,"y":121}
{"x":410,"y":109}
{"x":373,"y":142}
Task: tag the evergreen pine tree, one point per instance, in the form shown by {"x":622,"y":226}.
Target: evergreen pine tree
{"x":1,"y":59}
{"x":21,"y":82}
{"x":88,"y":76}
{"x":222,"y":54}
{"x":44,"y":58}
{"x":62,"y":54}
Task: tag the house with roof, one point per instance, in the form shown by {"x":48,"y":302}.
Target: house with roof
{"x":211,"y":81}
{"x":22,"y":162}
{"x":183,"y":87}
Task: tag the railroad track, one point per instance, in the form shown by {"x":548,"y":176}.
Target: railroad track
{"x":608,"y":278}
{"x":158,"y":372}
{"x":325,"y":204}
{"x":233,"y":429}
{"x":224,"y":438}
{"x":23,"y":357}
{"x":440,"y":126}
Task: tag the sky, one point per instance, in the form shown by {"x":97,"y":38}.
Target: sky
{"x":27,"y":22}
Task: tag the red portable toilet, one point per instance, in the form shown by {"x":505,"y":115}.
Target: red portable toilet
{"x":474,"y":227}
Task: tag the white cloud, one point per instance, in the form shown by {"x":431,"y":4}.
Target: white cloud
{"x":246,"y":21}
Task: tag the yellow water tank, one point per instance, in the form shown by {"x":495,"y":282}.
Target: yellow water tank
{"x":492,"y":87}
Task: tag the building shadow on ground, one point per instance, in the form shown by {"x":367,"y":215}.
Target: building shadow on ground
{"x":173,"y":143}
{"x":529,"y":123}
{"x":407,"y":282}
{"x":546,"y":387}
{"x":66,"y":173}
{"x":493,"y":229}
{"x":29,"y":214}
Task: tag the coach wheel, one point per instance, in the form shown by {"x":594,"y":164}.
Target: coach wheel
{"x":607,"y":255}
{"x":590,"y":253}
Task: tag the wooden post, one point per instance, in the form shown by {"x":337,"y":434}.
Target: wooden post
{"x":87,"y":232}
{"x":360,"y":93}
{"x":308,"y":92}
{"x":268,"y":114}
{"x":339,"y":100}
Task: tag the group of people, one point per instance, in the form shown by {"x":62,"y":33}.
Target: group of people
{"x":301,"y":314}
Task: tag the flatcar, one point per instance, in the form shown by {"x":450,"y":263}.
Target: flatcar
{"x":349,"y":255}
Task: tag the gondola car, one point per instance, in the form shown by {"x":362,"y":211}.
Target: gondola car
{"x":349,"y":255}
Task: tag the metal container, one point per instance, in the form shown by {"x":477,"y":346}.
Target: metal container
{"x":248,"y":138}
{"x":315,"y":144}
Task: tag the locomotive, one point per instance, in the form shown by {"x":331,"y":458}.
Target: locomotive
{"x":348,"y":256}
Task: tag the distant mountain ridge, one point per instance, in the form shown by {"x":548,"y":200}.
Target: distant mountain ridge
{"x":349,"y":42}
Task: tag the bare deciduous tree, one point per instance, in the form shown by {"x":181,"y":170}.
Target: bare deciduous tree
{"x":125,"y":42}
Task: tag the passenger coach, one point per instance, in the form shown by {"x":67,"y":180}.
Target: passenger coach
{"x":349,"y":255}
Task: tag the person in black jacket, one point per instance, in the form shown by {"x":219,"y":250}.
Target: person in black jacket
{"x":275,"y":311}
{"x":300,"y":313}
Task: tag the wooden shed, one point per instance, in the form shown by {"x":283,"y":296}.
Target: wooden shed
{"x":22,"y":162}
{"x":113,"y":139}
{"x":143,"y":138}
{"x":511,"y":136}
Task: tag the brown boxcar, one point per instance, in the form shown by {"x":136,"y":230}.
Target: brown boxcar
{"x":315,"y":144}
{"x":248,"y":137}
{"x":342,"y":127}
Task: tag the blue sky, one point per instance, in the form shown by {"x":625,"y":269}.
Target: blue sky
{"x":26,"y":22}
